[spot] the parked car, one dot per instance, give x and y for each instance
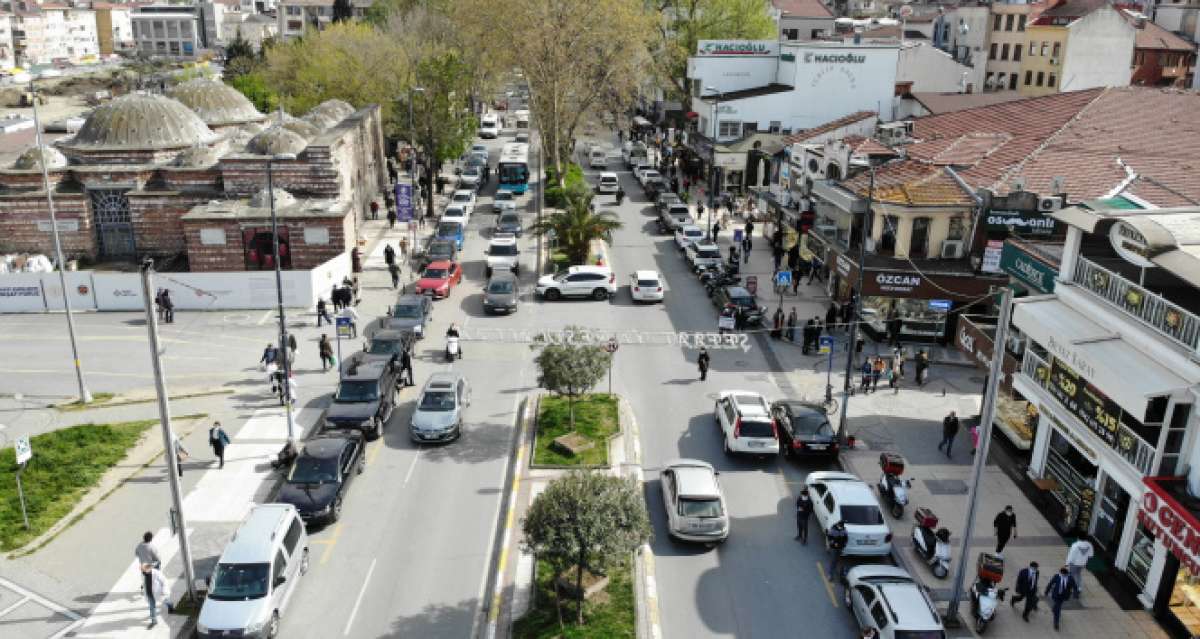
(674, 217)
(692, 498)
(687, 235)
(703, 254)
(452, 231)
(489, 126)
(504, 201)
(465, 198)
(648, 174)
(608, 183)
(508, 223)
(521, 136)
(739, 297)
(597, 282)
(645, 286)
(839, 496)
(321, 474)
(438, 278)
(365, 397)
(256, 575)
(598, 158)
(652, 186)
(502, 254)
(456, 213)
(440, 408)
(889, 600)
(746, 424)
(804, 429)
(387, 346)
(665, 200)
(634, 153)
(446, 249)
(409, 313)
(471, 178)
(502, 294)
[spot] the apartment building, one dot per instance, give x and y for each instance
(114, 27)
(8, 56)
(801, 19)
(168, 30)
(297, 15)
(1075, 45)
(53, 33)
(1007, 23)
(1160, 58)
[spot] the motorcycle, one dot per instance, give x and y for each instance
(985, 597)
(620, 197)
(452, 350)
(932, 544)
(712, 284)
(892, 488)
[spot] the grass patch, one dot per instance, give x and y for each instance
(607, 615)
(65, 465)
(595, 419)
(97, 399)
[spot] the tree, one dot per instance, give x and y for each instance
(572, 367)
(342, 10)
(686, 22)
(239, 56)
(577, 225)
(253, 85)
(586, 520)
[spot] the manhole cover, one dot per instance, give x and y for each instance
(946, 486)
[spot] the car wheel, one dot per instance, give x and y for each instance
(377, 431)
(336, 513)
(553, 294)
(600, 294)
(980, 626)
(273, 625)
(304, 562)
(897, 511)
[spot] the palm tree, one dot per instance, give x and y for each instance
(577, 225)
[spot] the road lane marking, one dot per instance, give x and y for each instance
(412, 466)
(373, 454)
(266, 316)
(358, 601)
(828, 584)
(328, 543)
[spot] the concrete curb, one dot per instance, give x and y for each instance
(495, 594)
(649, 616)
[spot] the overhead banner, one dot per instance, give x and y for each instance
(404, 202)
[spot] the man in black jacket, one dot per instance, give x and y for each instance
(1027, 589)
(949, 430)
(804, 508)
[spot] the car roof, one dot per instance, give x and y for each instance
(440, 264)
(410, 298)
(465, 191)
(749, 403)
(737, 291)
(588, 268)
(504, 241)
(457, 223)
(608, 174)
(646, 275)
(503, 275)
(441, 378)
(454, 206)
(694, 478)
(324, 447)
(853, 494)
(390, 335)
(263, 523)
(357, 369)
(705, 246)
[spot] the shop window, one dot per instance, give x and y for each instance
(1184, 598)
(1074, 493)
(1140, 557)
(918, 245)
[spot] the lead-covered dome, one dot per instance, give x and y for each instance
(140, 122)
(217, 103)
(33, 157)
(276, 140)
(328, 114)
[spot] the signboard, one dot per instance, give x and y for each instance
(735, 161)
(1024, 222)
(991, 256)
(63, 226)
(825, 345)
(913, 285)
(753, 48)
(404, 202)
(1027, 269)
(979, 346)
(940, 305)
(1093, 408)
(752, 284)
(783, 278)
(343, 327)
(1130, 244)
(24, 450)
(1175, 527)
(738, 236)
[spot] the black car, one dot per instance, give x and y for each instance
(387, 346)
(804, 429)
(321, 473)
(365, 396)
(509, 222)
(409, 313)
(438, 250)
(740, 297)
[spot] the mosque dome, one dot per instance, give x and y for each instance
(217, 103)
(140, 122)
(276, 140)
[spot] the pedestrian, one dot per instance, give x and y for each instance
(1005, 524)
(1026, 589)
(813, 269)
(168, 307)
(894, 375)
(866, 374)
(899, 355)
(325, 350)
(974, 437)
(808, 337)
(323, 312)
(1077, 559)
(1059, 590)
(406, 368)
(817, 328)
(269, 357)
(218, 439)
(777, 324)
(291, 342)
(831, 316)
(158, 307)
(391, 218)
(746, 246)
(702, 361)
(181, 453)
(949, 430)
(394, 271)
(791, 326)
(148, 590)
(348, 312)
(876, 373)
(847, 310)
(796, 275)
(922, 366)
(374, 206)
(777, 255)
(716, 231)
(145, 552)
(389, 254)
(804, 508)
(836, 538)
(749, 233)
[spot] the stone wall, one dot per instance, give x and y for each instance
(20, 215)
(231, 256)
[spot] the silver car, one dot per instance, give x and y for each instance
(693, 501)
(438, 416)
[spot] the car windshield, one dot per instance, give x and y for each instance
(310, 470)
(471, 170)
(437, 401)
(756, 429)
(462, 197)
(700, 507)
(386, 347)
(357, 392)
(448, 228)
(239, 582)
(434, 274)
(693, 232)
(648, 283)
(407, 311)
(862, 515)
(501, 286)
(708, 253)
(509, 219)
(503, 249)
(453, 212)
(503, 196)
(811, 423)
(744, 302)
(919, 634)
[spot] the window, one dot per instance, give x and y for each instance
(866, 592)
(1020, 23)
(1041, 76)
(1012, 81)
(749, 127)
(989, 80)
(295, 25)
(1004, 51)
(1000, 80)
(1028, 78)
(316, 235)
(997, 20)
(1051, 80)
(879, 615)
(1045, 48)
(293, 10)
(992, 52)
(774, 126)
(212, 237)
(728, 128)
(828, 501)
(1008, 22)
(1017, 53)
(791, 34)
(172, 29)
(292, 536)
(1032, 48)
(174, 48)
(1057, 49)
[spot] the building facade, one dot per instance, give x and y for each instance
(1006, 43)
(295, 16)
(1160, 58)
(8, 53)
(114, 28)
(1076, 45)
(168, 30)
(801, 19)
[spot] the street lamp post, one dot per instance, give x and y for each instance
(856, 316)
(283, 334)
(712, 169)
(85, 396)
(412, 179)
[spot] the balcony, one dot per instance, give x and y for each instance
(1133, 449)
(1168, 318)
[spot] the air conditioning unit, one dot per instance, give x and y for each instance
(827, 231)
(1051, 203)
(952, 249)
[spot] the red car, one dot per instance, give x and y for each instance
(439, 277)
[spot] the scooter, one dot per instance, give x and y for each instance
(452, 350)
(892, 488)
(620, 197)
(984, 599)
(932, 546)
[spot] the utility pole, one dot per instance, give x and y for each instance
(712, 170)
(283, 334)
(856, 316)
(164, 414)
(85, 397)
(412, 181)
(996, 372)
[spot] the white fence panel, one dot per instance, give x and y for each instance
(118, 291)
(79, 286)
(21, 293)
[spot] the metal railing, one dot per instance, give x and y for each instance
(1130, 446)
(1166, 317)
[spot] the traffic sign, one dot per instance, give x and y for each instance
(825, 344)
(752, 284)
(783, 278)
(343, 326)
(24, 450)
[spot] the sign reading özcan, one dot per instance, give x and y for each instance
(1173, 527)
(834, 58)
(897, 282)
(738, 47)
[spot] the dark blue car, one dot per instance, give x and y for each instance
(452, 231)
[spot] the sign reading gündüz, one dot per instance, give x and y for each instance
(834, 58)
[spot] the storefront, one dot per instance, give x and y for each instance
(1031, 265)
(1166, 554)
(1016, 417)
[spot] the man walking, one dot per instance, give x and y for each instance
(949, 430)
(406, 368)
(804, 508)
(218, 439)
(148, 560)
(389, 254)
(291, 341)
(702, 361)
(1059, 590)
(1006, 527)
(270, 356)
(323, 312)
(831, 316)
(181, 452)
(1077, 558)
(351, 314)
(391, 217)
(325, 350)
(168, 307)
(1027, 589)
(922, 366)
(394, 271)
(837, 539)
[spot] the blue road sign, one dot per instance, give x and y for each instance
(825, 344)
(784, 278)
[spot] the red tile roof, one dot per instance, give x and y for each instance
(1152, 36)
(808, 134)
(802, 8)
(863, 146)
(908, 183)
(1069, 9)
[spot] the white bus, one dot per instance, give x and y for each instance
(514, 168)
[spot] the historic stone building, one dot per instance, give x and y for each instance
(184, 176)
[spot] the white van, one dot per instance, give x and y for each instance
(489, 126)
(256, 575)
(522, 118)
(608, 183)
(598, 158)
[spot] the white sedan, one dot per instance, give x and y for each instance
(844, 497)
(688, 235)
(464, 198)
(646, 286)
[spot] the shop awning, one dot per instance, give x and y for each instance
(1096, 353)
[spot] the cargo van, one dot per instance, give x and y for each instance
(598, 159)
(489, 126)
(635, 154)
(257, 574)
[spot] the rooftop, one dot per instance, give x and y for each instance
(907, 183)
(829, 127)
(802, 8)
(139, 121)
(938, 103)
(749, 93)
(1152, 36)
(1068, 11)
(215, 102)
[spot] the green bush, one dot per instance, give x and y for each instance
(556, 196)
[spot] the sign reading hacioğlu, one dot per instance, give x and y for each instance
(738, 47)
(834, 58)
